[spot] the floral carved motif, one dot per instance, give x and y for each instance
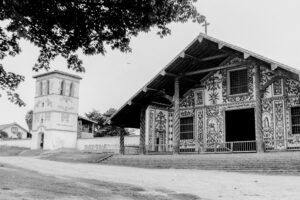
(279, 124)
(200, 126)
(277, 87)
(188, 100)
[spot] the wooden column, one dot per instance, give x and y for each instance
(258, 113)
(122, 146)
(142, 130)
(176, 123)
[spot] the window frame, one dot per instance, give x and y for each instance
(291, 117)
(229, 81)
(187, 132)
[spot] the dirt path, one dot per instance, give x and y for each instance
(205, 184)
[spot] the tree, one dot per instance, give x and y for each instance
(28, 119)
(61, 27)
(105, 129)
(3, 134)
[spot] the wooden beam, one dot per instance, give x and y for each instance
(163, 73)
(269, 82)
(274, 66)
(215, 69)
(246, 55)
(207, 58)
(182, 55)
(200, 39)
(220, 45)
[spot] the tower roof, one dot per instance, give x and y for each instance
(57, 72)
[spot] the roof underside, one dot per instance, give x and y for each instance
(204, 53)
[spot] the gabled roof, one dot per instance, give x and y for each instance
(57, 72)
(4, 126)
(87, 119)
(202, 55)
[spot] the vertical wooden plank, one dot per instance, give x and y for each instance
(258, 112)
(176, 139)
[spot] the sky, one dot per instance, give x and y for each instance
(267, 27)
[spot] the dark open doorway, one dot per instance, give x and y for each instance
(240, 125)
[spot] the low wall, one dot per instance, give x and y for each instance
(26, 143)
(106, 144)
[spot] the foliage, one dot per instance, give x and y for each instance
(61, 27)
(28, 119)
(3, 134)
(105, 129)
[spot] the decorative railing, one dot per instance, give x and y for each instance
(282, 144)
(228, 147)
(159, 148)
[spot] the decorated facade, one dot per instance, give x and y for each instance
(215, 95)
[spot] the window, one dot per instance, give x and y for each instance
(186, 128)
(71, 94)
(295, 113)
(238, 81)
(62, 87)
(48, 87)
(41, 88)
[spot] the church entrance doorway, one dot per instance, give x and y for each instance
(41, 140)
(240, 128)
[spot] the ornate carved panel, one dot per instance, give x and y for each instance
(292, 87)
(214, 125)
(279, 124)
(199, 98)
(213, 88)
(200, 126)
(151, 127)
(188, 100)
(187, 113)
(277, 87)
(161, 120)
(268, 123)
(170, 129)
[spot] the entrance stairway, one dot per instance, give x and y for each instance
(279, 162)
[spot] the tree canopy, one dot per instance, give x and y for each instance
(61, 27)
(103, 129)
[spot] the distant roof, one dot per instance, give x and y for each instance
(87, 119)
(57, 72)
(4, 126)
(202, 55)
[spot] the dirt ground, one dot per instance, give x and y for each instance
(88, 181)
(21, 184)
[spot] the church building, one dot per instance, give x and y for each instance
(216, 97)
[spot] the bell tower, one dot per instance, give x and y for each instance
(55, 114)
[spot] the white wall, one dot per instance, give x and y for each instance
(106, 144)
(16, 143)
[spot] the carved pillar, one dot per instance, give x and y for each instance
(285, 99)
(176, 124)
(122, 146)
(258, 113)
(142, 130)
